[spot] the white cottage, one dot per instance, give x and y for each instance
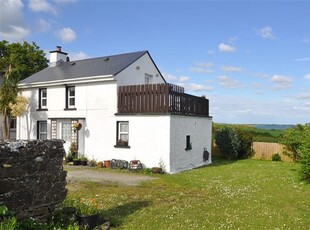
(126, 109)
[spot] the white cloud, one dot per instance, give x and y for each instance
(231, 69)
(205, 64)
(303, 59)
(184, 78)
(197, 87)
(307, 76)
(261, 75)
(303, 96)
(78, 56)
(228, 82)
(65, 1)
(210, 52)
(12, 27)
(265, 32)
(43, 25)
(307, 104)
(281, 82)
(170, 77)
(41, 6)
(200, 70)
(66, 34)
(226, 48)
(202, 67)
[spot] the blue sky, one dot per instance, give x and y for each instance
(250, 58)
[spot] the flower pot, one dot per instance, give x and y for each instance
(90, 221)
(107, 164)
(157, 170)
(100, 164)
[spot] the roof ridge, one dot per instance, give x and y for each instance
(108, 56)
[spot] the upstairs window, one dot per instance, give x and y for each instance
(148, 79)
(70, 97)
(43, 98)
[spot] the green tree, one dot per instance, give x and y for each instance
(292, 140)
(17, 62)
(305, 154)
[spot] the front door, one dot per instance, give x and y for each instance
(65, 132)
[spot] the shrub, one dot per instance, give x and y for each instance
(228, 142)
(305, 154)
(234, 143)
(246, 142)
(276, 157)
(292, 139)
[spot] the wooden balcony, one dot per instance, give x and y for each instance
(160, 98)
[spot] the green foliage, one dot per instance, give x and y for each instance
(292, 139)
(297, 145)
(234, 143)
(17, 61)
(259, 135)
(228, 142)
(305, 153)
(276, 157)
(73, 150)
(8, 223)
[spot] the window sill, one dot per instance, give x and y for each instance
(66, 109)
(122, 146)
(42, 109)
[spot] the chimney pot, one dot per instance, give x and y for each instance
(58, 48)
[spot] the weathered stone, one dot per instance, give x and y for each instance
(34, 185)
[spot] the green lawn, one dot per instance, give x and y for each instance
(246, 194)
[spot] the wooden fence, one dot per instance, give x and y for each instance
(263, 151)
(160, 98)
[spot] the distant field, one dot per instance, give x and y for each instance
(260, 135)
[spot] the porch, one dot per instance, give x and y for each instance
(160, 98)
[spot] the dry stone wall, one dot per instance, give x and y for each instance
(32, 180)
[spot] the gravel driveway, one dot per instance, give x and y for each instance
(98, 176)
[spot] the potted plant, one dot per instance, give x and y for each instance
(88, 212)
(77, 126)
(92, 163)
(69, 157)
(100, 164)
(76, 161)
(84, 160)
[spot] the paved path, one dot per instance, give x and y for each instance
(97, 176)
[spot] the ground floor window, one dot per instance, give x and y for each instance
(188, 142)
(42, 130)
(122, 133)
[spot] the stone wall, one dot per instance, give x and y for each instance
(32, 180)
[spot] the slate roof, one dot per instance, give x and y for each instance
(108, 65)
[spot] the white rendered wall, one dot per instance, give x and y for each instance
(136, 76)
(149, 140)
(199, 129)
(93, 102)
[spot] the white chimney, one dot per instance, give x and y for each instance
(57, 56)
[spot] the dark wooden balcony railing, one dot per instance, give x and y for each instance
(160, 98)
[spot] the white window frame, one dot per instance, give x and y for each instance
(40, 133)
(147, 78)
(66, 135)
(43, 98)
(70, 89)
(120, 133)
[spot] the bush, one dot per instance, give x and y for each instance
(228, 142)
(234, 143)
(276, 157)
(305, 154)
